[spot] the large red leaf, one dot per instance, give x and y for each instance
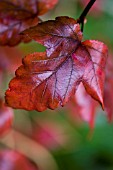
(6, 118)
(12, 160)
(16, 16)
(45, 81)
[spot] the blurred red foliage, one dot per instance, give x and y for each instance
(12, 160)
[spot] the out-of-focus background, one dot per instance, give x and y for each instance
(60, 139)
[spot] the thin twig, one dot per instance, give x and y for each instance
(84, 13)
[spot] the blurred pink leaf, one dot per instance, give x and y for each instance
(16, 16)
(108, 89)
(12, 160)
(49, 134)
(6, 118)
(86, 105)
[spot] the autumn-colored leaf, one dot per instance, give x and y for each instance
(6, 118)
(12, 160)
(13, 20)
(48, 80)
(60, 37)
(94, 75)
(16, 16)
(86, 106)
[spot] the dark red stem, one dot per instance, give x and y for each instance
(85, 12)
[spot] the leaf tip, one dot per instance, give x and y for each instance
(102, 105)
(100, 100)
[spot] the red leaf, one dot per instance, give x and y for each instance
(94, 75)
(12, 160)
(6, 118)
(45, 81)
(16, 16)
(85, 106)
(60, 37)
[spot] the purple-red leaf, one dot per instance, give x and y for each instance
(16, 16)
(60, 37)
(94, 75)
(48, 80)
(86, 106)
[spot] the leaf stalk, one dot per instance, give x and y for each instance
(84, 13)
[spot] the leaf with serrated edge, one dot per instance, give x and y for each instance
(48, 81)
